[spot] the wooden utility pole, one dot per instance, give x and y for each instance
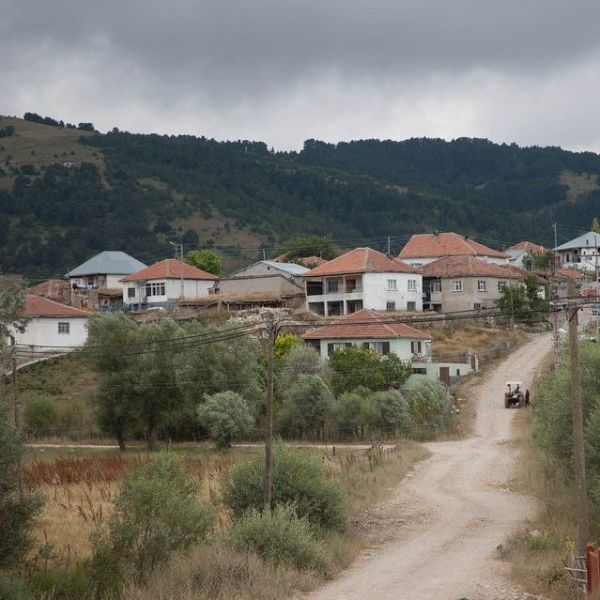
(577, 412)
(555, 315)
(268, 483)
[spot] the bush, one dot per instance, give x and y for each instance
(388, 412)
(302, 360)
(156, 513)
(66, 585)
(12, 588)
(226, 416)
(430, 406)
(298, 479)
(307, 406)
(41, 416)
(351, 413)
(279, 536)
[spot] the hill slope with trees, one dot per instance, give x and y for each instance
(138, 192)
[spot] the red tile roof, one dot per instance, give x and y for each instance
(431, 245)
(529, 247)
(469, 266)
(362, 260)
(365, 324)
(306, 261)
(169, 269)
(42, 307)
(569, 273)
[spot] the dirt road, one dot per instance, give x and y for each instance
(447, 519)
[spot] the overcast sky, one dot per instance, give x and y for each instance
(283, 71)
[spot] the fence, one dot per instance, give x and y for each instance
(585, 573)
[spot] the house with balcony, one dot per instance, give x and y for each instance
(363, 278)
(385, 334)
(580, 253)
(423, 248)
(466, 283)
(105, 270)
(164, 284)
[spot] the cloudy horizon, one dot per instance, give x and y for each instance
(520, 71)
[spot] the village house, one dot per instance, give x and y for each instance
(424, 248)
(164, 284)
(105, 270)
(383, 334)
(363, 278)
(52, 325)
(465, 283)
(521, 255)
(581, 253)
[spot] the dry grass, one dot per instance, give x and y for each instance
(578, 184)
(538, 551)
(42, 145)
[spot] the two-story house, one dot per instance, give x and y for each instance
(424, 248)
(105, 270)
(164, 283)
(465, 283)
(363, 278)
(580, 253)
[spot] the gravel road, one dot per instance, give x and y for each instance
(445, 520)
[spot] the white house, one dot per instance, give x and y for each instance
(105, 270)
(519, 255)
(581, 253)
(164, 283)
(424, 248)
(384, 335)
(52, 325)
(363, 278)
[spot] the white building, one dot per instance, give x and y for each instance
(363, 278)
(52, 325)
(164, 283)
(581, 253)
(104, 271)
(424, 248)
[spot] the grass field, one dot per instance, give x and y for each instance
(42, 145)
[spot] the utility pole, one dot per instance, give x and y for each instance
(179, 247)
(577, 412)
(16, 408)
(268, 483)
(555, 315)
(389, 246)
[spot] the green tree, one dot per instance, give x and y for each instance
(156, 513)
(226, 416)
(114, 343)
(513, 301)
(12, 311)
(207, 260)
(351, 412)
(430, 405)
(357, 366)
(307, 406)
(17, 510)
(284, 344)
(595, 225)
(388, 412)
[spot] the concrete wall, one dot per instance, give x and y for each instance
(433, 372)
(270, 283)
(420, 261)
(465, 300)
(400, 347)
(44, 332)
(192, 288)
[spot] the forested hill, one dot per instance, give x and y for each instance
(66, 194)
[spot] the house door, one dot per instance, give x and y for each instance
(445, 375)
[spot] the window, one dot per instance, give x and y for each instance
(411, 305)
(390, 306)
(419, 371)
(477, 306)
(501, 285)
(376, 347)
(392, 285)
(412, 285)
(155, 289)
(333, 286)
(64, 327)
(482, 285)
(131, 292)
(436, 286)
(457, 285)
(416, 347)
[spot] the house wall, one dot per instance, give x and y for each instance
(99, 280)
(433, 372)
(420, 261)
(466, 300)
(374, 293)
(44, 332)
(400, 347)
(271, 283)
(192, 288)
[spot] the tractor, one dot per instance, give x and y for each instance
(515, 395)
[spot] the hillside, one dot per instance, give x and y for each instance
(66, 194)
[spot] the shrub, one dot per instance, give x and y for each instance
(41, 416)
(12, 588)
(66, 585)
(298, 479)
(156, 512)
(388, 412)
(307, 405)
(302, 360)
(226, 416)
(350, 412)
(279, 536)
(430, 405)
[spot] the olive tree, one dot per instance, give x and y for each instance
(226, 416)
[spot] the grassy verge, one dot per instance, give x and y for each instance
(537, 551)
